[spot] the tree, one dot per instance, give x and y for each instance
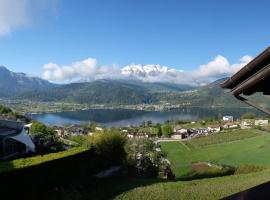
(248, 115)
(159, 130)
(166, 130)
(41, 129)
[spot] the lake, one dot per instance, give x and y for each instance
(124, 117)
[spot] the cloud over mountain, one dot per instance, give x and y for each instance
(89, 69)
(85, 70)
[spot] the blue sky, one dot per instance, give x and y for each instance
(175, 33)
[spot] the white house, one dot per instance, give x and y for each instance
(246, 123)
(261, 122)
(227, 118)
(229, 125)
(214, 128)
(14, 139)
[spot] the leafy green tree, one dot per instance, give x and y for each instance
(248, 115)
(41, 129)
(159, 130)
(141, 154)
(166, 130)
(153, 131)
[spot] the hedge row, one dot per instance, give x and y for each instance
(32, 178)
(35, 160)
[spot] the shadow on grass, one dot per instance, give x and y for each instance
(208, 174)
(94, 188)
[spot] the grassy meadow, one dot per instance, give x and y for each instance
(238, 148)
(235, 148)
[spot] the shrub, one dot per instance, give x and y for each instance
(109, 146)
(36, 160)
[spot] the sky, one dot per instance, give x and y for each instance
(177, 41)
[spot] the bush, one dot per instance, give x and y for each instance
(110, 147)
(36, 160)
(40, 175)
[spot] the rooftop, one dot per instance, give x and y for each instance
(252, 78)
(9, 127)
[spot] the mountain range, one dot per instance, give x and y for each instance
(12, 84)
(117, 92)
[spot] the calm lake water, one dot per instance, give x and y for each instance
(123, 117)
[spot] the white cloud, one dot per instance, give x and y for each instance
(89, 69)
(217, 68)
(85, 70)
(19, 13)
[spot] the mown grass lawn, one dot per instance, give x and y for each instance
(237, 150)
(212, 188)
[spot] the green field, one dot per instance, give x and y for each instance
(235, 148)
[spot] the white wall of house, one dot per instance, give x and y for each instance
(177, 136)
(261, 122)
(213, 129)
(246, 124)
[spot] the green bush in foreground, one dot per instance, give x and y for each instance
(35, 160)
(109, 146)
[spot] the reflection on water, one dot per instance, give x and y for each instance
(123, 117)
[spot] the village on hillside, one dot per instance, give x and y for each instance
(168, 130)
